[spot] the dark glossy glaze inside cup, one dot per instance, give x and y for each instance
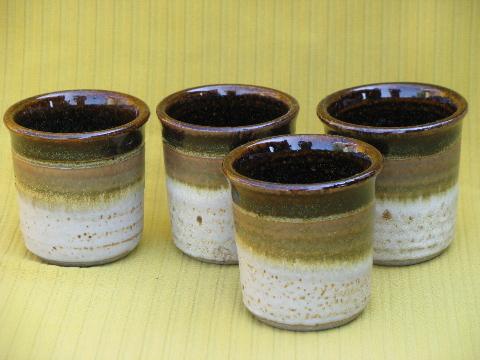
(392, 109)
(229, 109)
(77, 114)
(280, 163)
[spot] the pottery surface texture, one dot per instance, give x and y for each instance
(304, 237)
(417, 127)
(78, 158)
(200, 126)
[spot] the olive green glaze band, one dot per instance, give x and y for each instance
(100, 177)
(210, 143)
(409, 178)
(401, 146)
(78, 200)
(77, 150)
(305, 205)
(346, 237)
(194, 169)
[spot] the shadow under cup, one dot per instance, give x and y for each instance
(200, 126)
(78, 158)
(417, 127)
(303, 207)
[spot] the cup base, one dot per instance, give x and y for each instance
(304, 328)
(85, 264)
(210, 261)
(407, 262)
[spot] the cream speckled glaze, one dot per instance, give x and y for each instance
(299, 296)
(202, 221)
(408, 232)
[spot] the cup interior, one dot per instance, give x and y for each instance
(73, 112)
(300, 162)
(225, 108)
(392, 106)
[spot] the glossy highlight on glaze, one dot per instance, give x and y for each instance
(305, 248)
(78, 158)
(417, 127)
(200, 126)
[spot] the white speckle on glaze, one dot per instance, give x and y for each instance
(408, 231)
(303, 295)
(91, 235)
(202, 222)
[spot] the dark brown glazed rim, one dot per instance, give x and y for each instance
(337, 124)
(325, 141)
(219, 131)
(142, 114)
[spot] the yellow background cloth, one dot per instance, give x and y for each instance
(158, 303)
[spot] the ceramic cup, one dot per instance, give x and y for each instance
(303, 207)
(200, 126)
(78, 158)
(417, 127)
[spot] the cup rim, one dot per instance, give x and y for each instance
(337, 124)
(375, 157)
(140, 119)
(203, 130)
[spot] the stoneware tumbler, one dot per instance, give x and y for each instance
(78, 158)
(417, 127)
(200, 126)
(303, 208)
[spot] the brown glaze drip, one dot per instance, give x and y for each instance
(302, 166)
(213, 109)
(64, 117)
(394, 113)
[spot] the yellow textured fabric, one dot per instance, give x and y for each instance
(158, 303)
